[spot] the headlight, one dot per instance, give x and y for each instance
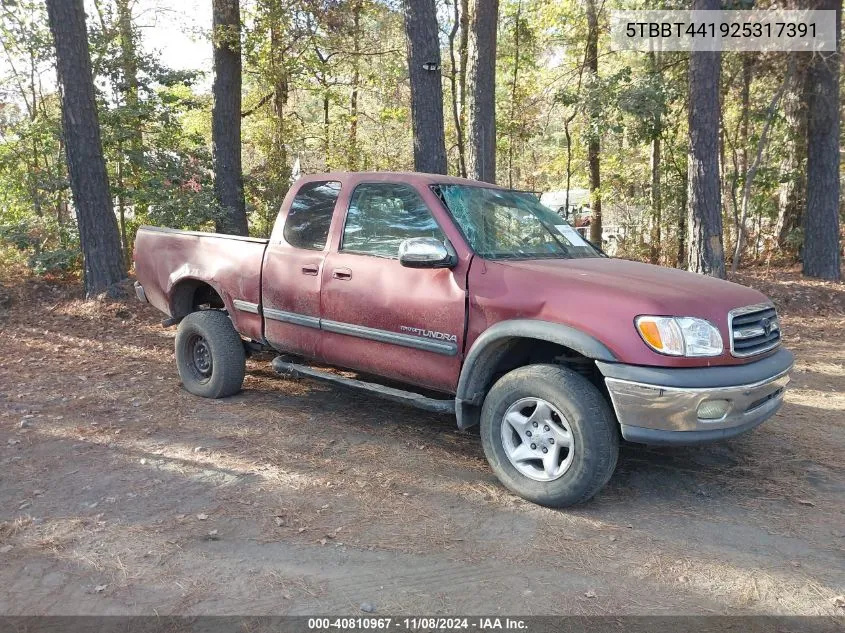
(680, 336)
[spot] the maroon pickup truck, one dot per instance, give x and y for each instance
(437, 285)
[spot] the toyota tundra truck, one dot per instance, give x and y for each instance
(474, 300)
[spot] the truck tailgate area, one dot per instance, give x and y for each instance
(176, 268)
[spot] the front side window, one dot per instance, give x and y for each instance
(382, 215)
(506, 224)
(310, 215)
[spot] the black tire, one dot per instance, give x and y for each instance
(591, 423)
(210, 355)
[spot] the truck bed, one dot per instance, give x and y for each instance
(171, 264)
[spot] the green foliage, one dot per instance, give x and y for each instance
(59, 261)
(326, 88)
(45, 247)
(159, 167)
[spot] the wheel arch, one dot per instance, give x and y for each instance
(188, 293)
(486, 358)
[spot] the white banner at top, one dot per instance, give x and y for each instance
(749, 30)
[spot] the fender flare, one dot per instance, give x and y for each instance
(494, 343)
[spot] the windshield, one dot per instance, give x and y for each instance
(505, 224)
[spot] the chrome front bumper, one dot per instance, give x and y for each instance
(660, 414)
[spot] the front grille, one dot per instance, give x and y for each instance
(754, 329)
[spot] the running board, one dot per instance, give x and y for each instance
(389, 393)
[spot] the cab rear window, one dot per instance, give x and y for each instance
(310, 215)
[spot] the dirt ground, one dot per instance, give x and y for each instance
(120, 493)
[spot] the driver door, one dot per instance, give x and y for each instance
(380, 317)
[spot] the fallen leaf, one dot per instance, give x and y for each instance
(202, 517)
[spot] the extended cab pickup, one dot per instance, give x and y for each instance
(439, 285)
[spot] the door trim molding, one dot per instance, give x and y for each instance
(350, 329)
(292, 317)
(386, 336)
(245, 306)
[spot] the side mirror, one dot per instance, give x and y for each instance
(426, 252)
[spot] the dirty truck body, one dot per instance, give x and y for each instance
(448, 286)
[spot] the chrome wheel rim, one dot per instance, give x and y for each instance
(537, 439)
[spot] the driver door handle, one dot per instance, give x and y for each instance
(342, 274)
(310, 269)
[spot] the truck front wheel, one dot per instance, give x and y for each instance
(549, 435)
(210, 355)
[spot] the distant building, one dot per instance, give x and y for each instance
(619, 221)
(556, 201)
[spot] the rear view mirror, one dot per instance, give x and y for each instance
(426, 252)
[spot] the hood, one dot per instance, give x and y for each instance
(654, 289)
(602, 296)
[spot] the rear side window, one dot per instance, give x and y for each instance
(382, 215)
(310, 215)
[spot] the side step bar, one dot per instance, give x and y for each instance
(389, 393)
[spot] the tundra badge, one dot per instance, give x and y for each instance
(440, 336)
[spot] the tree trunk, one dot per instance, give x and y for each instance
(121, 209)
(279, 169)
(426, 86)
(352, 161)
(103, 264)
(463, 63)
(463, 55)
(683, 238)
(656, 202)
(454, 81)
(514, 79)
(751, 172)
(793, 189)
(327, 127)
(481, 92)
(129, 68)
(821, 220)
(593, 143)
(566, 122)
(705, 253)
(740, 166)
(656, 166)
(226, 118)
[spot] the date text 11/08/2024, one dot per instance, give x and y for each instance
(417, 624)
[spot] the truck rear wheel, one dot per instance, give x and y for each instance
(210, 355)
(549, 435)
